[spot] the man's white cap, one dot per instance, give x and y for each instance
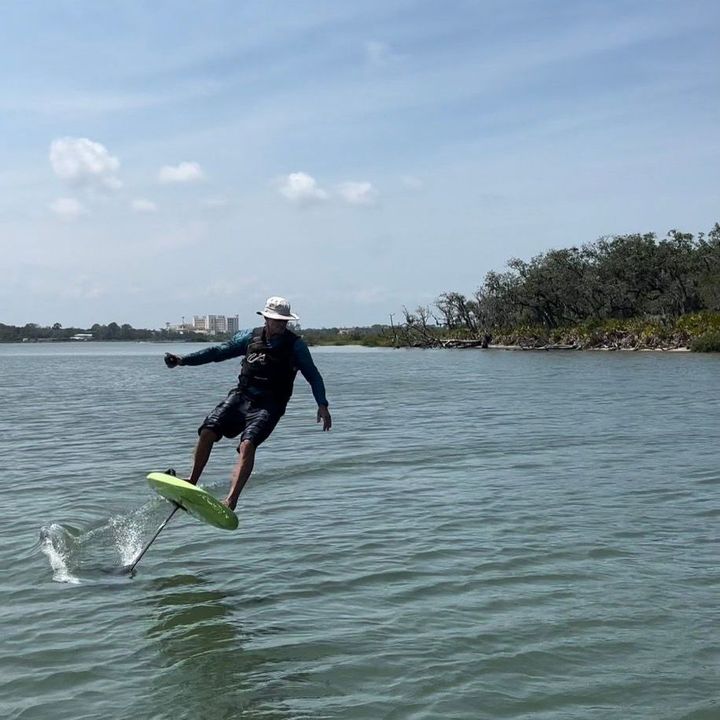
(277, 308)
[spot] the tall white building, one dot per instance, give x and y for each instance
(214, 324)
(200, 322)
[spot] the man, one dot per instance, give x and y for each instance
(272, 356)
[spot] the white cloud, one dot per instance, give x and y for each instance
(142, 205)
(358, 193)
(83, 162)
(68, 208)
(185, 172)
(301, 188)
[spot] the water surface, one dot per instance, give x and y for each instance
(483, 534)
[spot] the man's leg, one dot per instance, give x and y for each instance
(259, 423)
(225, 420)
(203, 449)
(241, 472)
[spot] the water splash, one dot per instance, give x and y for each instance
(75, 554)
(55, 544)
(127, 535)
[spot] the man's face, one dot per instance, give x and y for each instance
(275, 327)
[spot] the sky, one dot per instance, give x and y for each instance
(169, 159)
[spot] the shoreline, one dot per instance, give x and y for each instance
(575, 348)
(444, 345)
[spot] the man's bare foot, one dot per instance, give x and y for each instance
(230, 502)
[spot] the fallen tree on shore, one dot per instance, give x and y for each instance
(699, 332)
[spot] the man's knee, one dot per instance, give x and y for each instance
(209, 435)
(246, 448)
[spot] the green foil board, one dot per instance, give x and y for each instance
(198, 502)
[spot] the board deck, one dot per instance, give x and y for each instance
(197, 501)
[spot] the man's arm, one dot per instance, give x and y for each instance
(217, 353)
(305, 364)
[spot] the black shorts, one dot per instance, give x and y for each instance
(237, 414)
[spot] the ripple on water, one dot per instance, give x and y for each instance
(521, 537)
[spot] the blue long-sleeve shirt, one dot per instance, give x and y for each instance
(237, 346)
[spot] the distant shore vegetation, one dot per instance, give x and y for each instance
(622, 292)
(373, 336)
(625, 292)
(57, 333)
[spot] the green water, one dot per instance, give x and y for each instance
(483, 534)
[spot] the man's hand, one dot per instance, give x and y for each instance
(324, 414)
(172, 360)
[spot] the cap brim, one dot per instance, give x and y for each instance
(277, 316)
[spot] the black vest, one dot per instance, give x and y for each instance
(267, 371)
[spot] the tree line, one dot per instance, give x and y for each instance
(32, 332)
(375, 335)
(615, 279)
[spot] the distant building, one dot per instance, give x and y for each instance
(200, 323)
(215, 324)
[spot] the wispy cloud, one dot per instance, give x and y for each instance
(358, 193)
(218, 201)
(303, 189)
(185, 172)
(142, 205)
(68, 209)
